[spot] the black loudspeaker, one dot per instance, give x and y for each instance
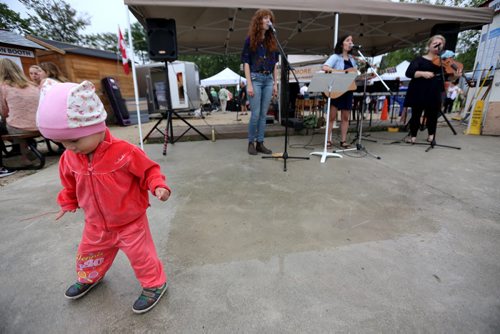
(449, 31)
(116, 100)
(162, 39)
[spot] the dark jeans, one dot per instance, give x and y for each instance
(448, 105)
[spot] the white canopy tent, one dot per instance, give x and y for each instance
(226, 77)
(305, 27)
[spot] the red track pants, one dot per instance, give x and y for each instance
(98, 249)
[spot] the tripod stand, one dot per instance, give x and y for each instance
(286, 68)
(359, 145)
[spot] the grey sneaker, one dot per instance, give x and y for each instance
(149, 298)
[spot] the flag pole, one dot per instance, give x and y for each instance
(134, 78)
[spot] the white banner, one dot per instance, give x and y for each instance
(17, 52)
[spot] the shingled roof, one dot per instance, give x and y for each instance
(12, 38)
(71, 48)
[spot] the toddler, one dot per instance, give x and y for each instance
(109, 179)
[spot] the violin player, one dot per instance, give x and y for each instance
(426, 88)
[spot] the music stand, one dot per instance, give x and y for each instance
(328, 83)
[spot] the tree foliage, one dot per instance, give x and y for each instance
(56, 20)
(10, 20)
(467, 43)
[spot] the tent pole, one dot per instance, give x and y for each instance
(134, 78)
(336, 33)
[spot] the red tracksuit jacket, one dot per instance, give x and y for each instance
(112, 189)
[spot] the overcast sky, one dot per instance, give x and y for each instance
(104, 15)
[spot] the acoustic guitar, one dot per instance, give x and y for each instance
(352, 87)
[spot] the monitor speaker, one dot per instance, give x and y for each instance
(449, 31)
(162, 39)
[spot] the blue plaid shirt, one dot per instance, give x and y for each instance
(260, 59)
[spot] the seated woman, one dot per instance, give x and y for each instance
(35, 74)
(18, 102)
(50, 70)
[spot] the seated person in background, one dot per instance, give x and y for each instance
(3, 171)
(35, 74)
(50, 70)
(18, 103)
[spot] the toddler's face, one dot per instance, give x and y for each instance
(84, 145)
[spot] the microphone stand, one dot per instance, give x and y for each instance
(287, 67)
(359, 146)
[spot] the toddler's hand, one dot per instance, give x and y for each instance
(62, 212)
(162, 194)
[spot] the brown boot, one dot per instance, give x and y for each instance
(261, 148)
(251, 149)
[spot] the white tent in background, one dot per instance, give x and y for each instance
(226, 77)
(399, 73)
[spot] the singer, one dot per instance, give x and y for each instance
(259, 56)
(425, 89)
(341, 61)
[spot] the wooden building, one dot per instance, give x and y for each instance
(19, 49)
(77, 63)
(80, 63)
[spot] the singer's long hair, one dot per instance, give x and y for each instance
(339, 47)
(255, 31)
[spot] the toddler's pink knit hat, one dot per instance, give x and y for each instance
(69, 110)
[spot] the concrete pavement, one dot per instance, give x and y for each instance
(405, 244)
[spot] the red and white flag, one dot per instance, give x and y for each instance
(121, 44)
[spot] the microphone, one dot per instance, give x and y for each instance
(356, 46)
(270, 25)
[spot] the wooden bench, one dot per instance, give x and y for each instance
(30, 139)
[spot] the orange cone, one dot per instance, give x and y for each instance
(385, 111)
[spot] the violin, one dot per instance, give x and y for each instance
(451, 67)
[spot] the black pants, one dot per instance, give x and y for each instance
(431, 115)
(448, 105)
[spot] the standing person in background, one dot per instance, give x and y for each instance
(451, 95)
(425, 89)
(18, 104)
(243, 98)
(35, 71)
(259, 56)
(51, 70)
(215, 98)
(223, 97)
(341, 61)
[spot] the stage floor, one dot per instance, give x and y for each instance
(407, 243)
